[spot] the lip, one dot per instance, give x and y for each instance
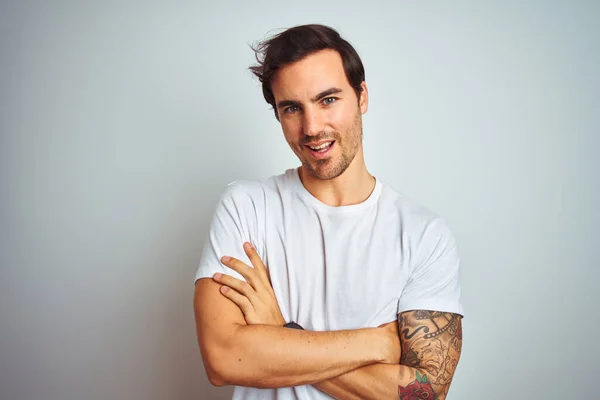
(318, 155)
(319, 143)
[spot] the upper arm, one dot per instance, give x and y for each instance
(235, 221)
(216, 321)
(430, 309)
(217, 318)
(434, 281)
(431, 342)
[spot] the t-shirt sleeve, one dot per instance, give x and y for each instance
(233, 223)
(434, 281)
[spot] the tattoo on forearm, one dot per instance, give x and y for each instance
(417, 390)
(431, 342)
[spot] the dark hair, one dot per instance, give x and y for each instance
(296, 43)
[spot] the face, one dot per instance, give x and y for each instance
(320, 115)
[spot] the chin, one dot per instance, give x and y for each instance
(326, 171)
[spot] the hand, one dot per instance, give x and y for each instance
(391, 342)
(255, 297)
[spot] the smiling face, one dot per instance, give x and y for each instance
(320, 115)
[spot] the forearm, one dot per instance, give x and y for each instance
(266, 356)
(376, 382)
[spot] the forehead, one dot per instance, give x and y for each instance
(311, 75)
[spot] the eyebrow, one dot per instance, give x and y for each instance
(324, 93)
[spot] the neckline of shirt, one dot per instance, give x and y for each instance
(372, 199)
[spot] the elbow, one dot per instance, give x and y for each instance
(223, 369)
(225, 363)
(216, 357)
(216, 379)
(225, 372)
(216, 369)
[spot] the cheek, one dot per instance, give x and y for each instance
(342, 118)
(336, 117)
(291, 133)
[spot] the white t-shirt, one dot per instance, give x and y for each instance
(335, 268)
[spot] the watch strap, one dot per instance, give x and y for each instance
(293, 325)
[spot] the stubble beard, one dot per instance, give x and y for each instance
(331, 168)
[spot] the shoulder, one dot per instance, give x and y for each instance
(422, 226)
(411, 213)
(255, 191)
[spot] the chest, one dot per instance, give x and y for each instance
(336, 271)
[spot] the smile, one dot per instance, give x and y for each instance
(321, 150)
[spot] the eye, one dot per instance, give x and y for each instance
(291, 109)
(329, 100)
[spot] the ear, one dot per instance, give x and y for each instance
(363, 102)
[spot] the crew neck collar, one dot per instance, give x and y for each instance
(372, 199)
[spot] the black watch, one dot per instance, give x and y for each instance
(293, 325)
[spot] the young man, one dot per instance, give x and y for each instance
(323, 281)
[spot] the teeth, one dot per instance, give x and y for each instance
(321, 146)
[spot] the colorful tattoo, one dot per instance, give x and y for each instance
(417, 390)
(431, 342)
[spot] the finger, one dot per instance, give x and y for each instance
(258, 264)
(239, 300)
(243, 269)
(238, 285)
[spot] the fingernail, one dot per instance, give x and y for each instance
(217, 275)
(248, 246)
(226, 258)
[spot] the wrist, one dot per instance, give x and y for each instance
(293, 325)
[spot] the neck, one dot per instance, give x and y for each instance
(353, 186)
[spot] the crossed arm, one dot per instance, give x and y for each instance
(242, 343)
(431, 346)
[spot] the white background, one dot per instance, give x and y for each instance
(122, 123)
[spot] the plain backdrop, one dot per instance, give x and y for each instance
(122, 123)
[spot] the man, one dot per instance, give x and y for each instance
(343, 288)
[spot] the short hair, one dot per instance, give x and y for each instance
(296, 43)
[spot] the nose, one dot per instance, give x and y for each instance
(313, 122)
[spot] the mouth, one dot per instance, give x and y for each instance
(320, 150)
